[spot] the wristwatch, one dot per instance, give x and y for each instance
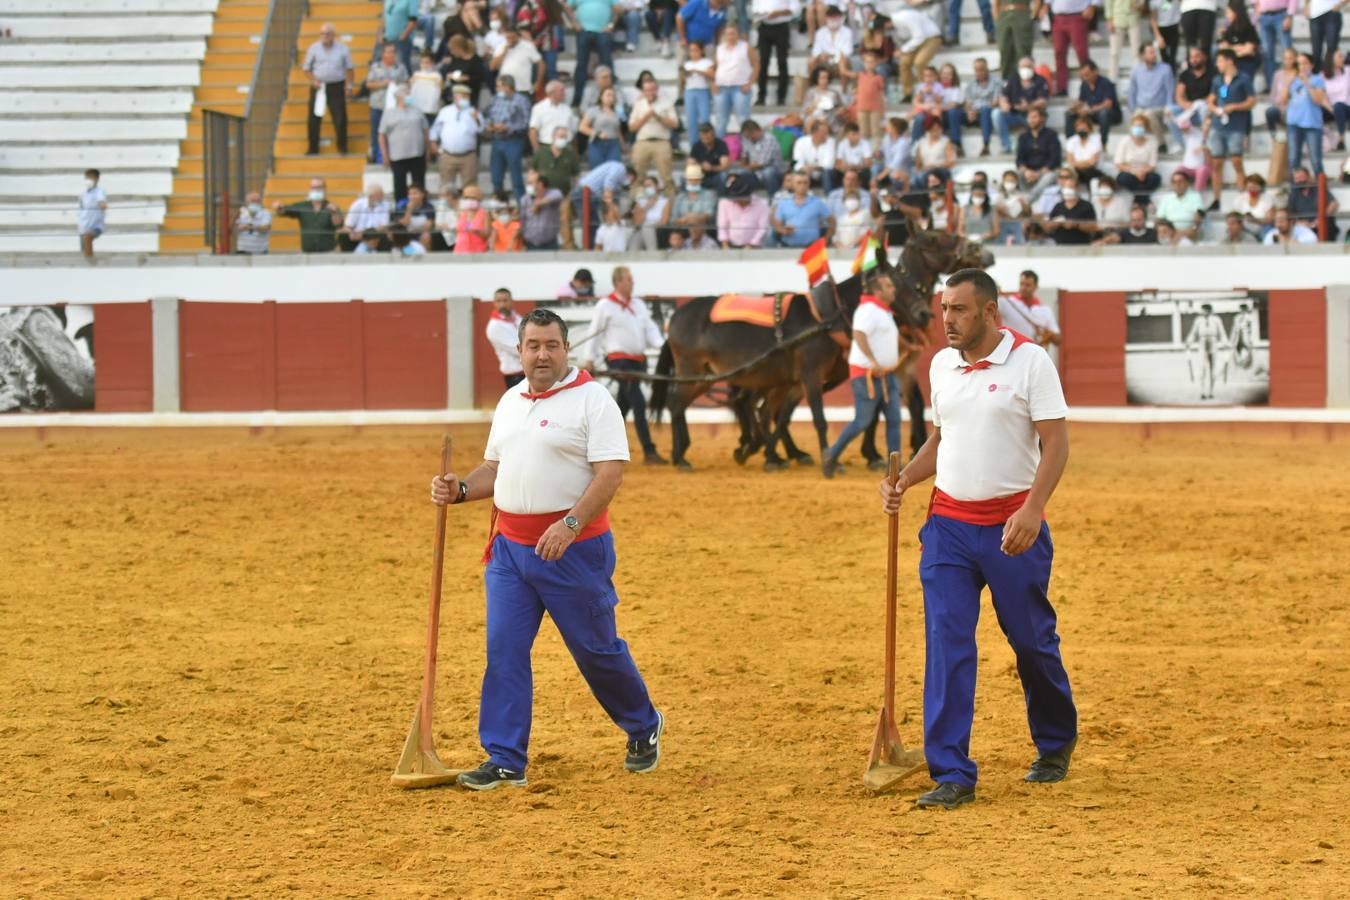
(571, 522)
(463, 493)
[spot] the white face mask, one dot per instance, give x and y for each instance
(851, 204)
(503, 217)
(693, 187)
(468, 203)
(494, 25)
(316, 196)
(462, 102)
(1026, 74)
(255, 208)
(649, 191)
(1010, 185)
(89, 184)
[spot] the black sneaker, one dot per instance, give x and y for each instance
(830, 468)
(645, 753)
(947, 796)
(1050, 768)
(489, 777)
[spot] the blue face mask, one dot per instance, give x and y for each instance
(1137, 130)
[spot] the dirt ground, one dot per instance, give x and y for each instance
(212, 643)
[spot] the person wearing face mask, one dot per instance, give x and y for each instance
(505, 237)
(695, 205)
(1083, 151)
(383, 72)
(979, 219)
(1255, 206)
(833, 44)
(370, 212)
(1152, 89)
(1113, 206)
(319, 219)
(1137, 161)
(1073, 221)
(253, 228)
(93, 207)
(852, 186)
(651, 215)
(852, 221)
(1097, 100)
(454, 140)
(403, 143)
(473, 228)
(1022, 94)
(1012, 208)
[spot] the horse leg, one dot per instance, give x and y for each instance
(743, 405)
(777, 408)
(683, 397)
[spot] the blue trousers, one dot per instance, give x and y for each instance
(506, 155)
(958, 560)
(729, 99)
(578, 594)
(954, 18)
(1299, 138)
(1274, 40)
(697, 110)
(599, 42)
(1005, 122)
(865, 407)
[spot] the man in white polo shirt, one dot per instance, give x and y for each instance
(503, 333)
(1024, 312)
(872, 361)
(998, 449)
(553, 462)
(622, 329)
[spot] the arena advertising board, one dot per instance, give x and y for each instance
(46, 358)
(1188, 348)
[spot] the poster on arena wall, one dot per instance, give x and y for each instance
(46, 358)
(1189, 348)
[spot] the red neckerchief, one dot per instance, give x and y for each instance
(1033, 301)
(1018, 340)
(871, 300)
(582, 377)
(513, 318)
(626, 304)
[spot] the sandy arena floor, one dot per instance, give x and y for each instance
(212, 643)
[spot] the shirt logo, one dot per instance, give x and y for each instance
(992, 388)
(543, 423)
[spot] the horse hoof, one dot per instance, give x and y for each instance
(877, 465)
(683, 466)
(775, 465)
(740, 454)
(805, 459)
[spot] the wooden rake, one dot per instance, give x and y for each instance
(419, 766)
(890, 763)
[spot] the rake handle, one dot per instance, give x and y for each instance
(434, 615)
(892, 577)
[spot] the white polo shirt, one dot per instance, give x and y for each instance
(504, 336)
(883, 337)
(1025, 317)
(544, 448)
(628, 331)
(989, 446)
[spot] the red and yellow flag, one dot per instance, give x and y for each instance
(817, 262)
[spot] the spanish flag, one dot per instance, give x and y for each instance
(867, 254)
(817, 262)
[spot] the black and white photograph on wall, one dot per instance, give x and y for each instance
(46, 358)
(1193, 348)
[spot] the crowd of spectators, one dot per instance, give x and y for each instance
(879, 131)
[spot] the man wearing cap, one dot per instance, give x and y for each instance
(503, 333)
(581, 287)
(454, 140)
(742, 216)
(554, 460)
(622, 329)
(998, 448)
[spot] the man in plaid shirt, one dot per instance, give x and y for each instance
(508, 121)
(761, 155)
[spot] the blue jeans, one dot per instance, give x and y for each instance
(375, 116)
(730, 99)
(1271, 28)
(697, 110)
(602, 43)
(885, 394)
(507, 153)
(743, 17)
(954, 18)
(1326, 35)
(1298, 139)
(661, 22)
(427, 24)
(404, 52)
(577, 592)
(601, 150)
(957, 561)
(956, 117)
(630, 398)
(632, 26)
(985, 116)
(1004, 122)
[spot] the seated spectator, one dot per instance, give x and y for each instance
(1083, 151)
(920, 40)
(1279, 91)
(711, 155)
(699, 239)
(981, 99)
(602, 185)
(1073, 221)
(833, 45)
(1182, 207)
(416, 216)
(505, 229)
(1013, 209)
(852, 222)
(549, 115)
(370, 241)
(676, 240)
(447, 221)
(1136, 231)
(870, 100)
(1113, 206)
(813, 154)
(580, 287)
(742, 216)
(823, 102)
(1020, 95)
(1231, 100)
(935, 154)
(1097, 100)
(851, 186)
(1169, 236)
(602, 78)
(953, 104)
(1254, 206)
(937, 205)
(425, 86)
(370, 212)
(651, 216)
(761, 156)
(92, 215)
(1303, 200)
(737, 70)
(695, 205)
(253, 228)
(979, 217)
(1287, 231)
(1152, 87)
(1038, 154)
(802, 218)
(1234, 233)
(454, 140)
(541, 214)
(1191, 94)
(1137, 161)
(695, 78)
(1036, 236)
(632, 24)
(612, 236)
(1337, 75)
(853, 154)
(897, 154)
(929, 101)
(404, 244)
(473, 229)
(461, 66)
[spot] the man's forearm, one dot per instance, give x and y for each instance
(603, 487)
(481, 481)
(1054, 457)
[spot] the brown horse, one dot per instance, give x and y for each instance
(696, 347)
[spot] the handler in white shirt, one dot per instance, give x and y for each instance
(1024, 312)
(622, 330)
(503, 333)
(872, 362)
(554, 461)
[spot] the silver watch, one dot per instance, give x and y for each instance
(571, 522)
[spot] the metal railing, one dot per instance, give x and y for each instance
(242, 152)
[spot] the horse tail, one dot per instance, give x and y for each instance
(665, 365)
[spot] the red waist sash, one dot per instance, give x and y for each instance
(528, 528)
(994, 511)
(631, 357)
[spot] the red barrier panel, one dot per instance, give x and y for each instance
(1092, 355)
(227, 356)
(405, 355)
(319, 356)
(124, 364)
(1298, 348)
